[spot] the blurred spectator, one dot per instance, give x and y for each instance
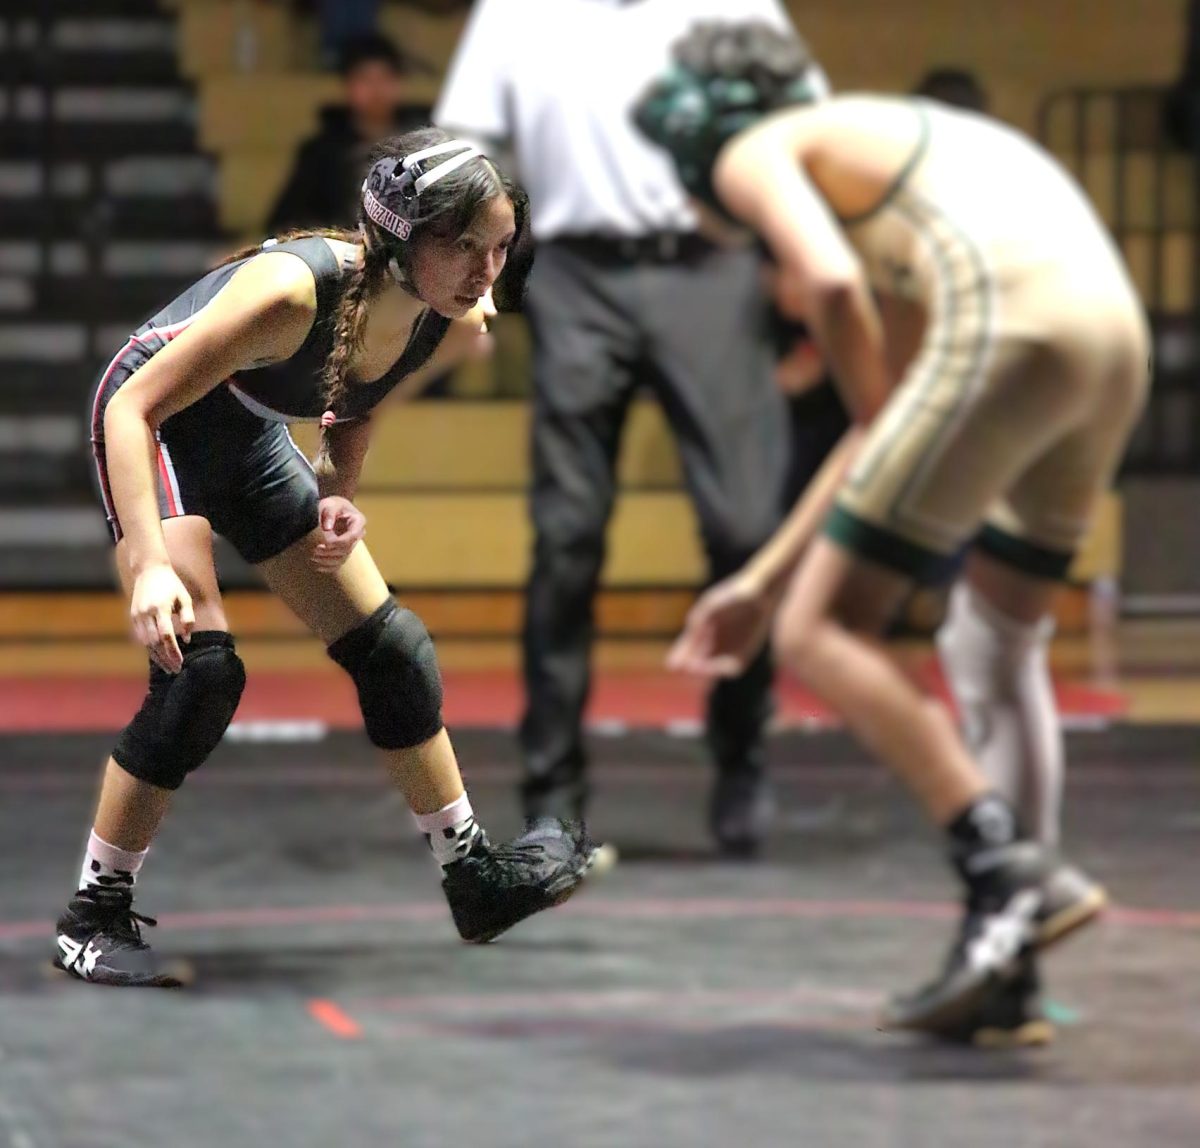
(625, 292)
(342, 22)
(323, 187)
(953, 86)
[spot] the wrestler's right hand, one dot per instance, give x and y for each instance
(724, 630)
(158, 598)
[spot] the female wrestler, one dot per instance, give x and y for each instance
(189, 429)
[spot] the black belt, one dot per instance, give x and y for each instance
(657, 247)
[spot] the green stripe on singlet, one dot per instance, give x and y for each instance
(923, 214)
(926, 219)
(893, 188)
(1023, 555)
(866, 540)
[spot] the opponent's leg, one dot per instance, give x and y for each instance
(389, 655)
(994, 645)
(994, 649)
(180, 722)
(824, 632)
(1017, 893)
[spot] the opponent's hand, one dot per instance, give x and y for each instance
(484, 343)
(342, 526)
(489, 310)
(158, 599)
(724, 630)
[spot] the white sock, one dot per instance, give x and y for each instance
(451, 831)
(998, 670)
(107, 866)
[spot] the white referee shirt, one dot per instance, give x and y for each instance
(558, 80)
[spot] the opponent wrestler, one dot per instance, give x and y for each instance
(992, 352)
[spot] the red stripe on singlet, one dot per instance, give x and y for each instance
(167, 333)
(165, 479)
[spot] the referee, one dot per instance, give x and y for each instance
(625, 293)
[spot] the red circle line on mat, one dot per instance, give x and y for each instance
(473, 699)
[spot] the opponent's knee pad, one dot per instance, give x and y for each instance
(998, 671)
(987, 655)
(184, 715)
(391, 658)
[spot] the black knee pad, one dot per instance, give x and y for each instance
(391, 658)
(184, 715)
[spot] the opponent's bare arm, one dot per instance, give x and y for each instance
(761, 179)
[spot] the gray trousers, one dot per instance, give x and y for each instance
(694, 331)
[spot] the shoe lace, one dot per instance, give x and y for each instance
(131, 927)
(511, 865)
(125, 924)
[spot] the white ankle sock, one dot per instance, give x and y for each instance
(451, 831)
(107, 866)
(998, 671)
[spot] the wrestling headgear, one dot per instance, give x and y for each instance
(725, 78)
(391, 193)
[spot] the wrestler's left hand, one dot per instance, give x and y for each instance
(342, 526)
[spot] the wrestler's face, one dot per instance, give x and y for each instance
(451, 274)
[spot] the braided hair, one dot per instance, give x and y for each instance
(420, 184)
(403, 203)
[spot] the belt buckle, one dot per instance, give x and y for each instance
(667, 246)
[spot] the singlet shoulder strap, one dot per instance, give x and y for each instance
(910, 165)
(426, 339)
(326, 267)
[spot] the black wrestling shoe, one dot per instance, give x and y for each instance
(1021, 897)
(741, 808)
(495, 886)
(100, 940)
(602, 857)
(1011, 1013)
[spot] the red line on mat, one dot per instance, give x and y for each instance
(614, 909)
(329, 1016)
(853, 776)
(480, 699)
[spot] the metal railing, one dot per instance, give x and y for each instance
(1126, 126)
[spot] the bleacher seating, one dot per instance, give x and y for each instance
(177, 121)
(106, 207)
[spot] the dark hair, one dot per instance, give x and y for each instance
(726, 77)
(954, 86)
(753, 52)
(370, 48)
(444, 210)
